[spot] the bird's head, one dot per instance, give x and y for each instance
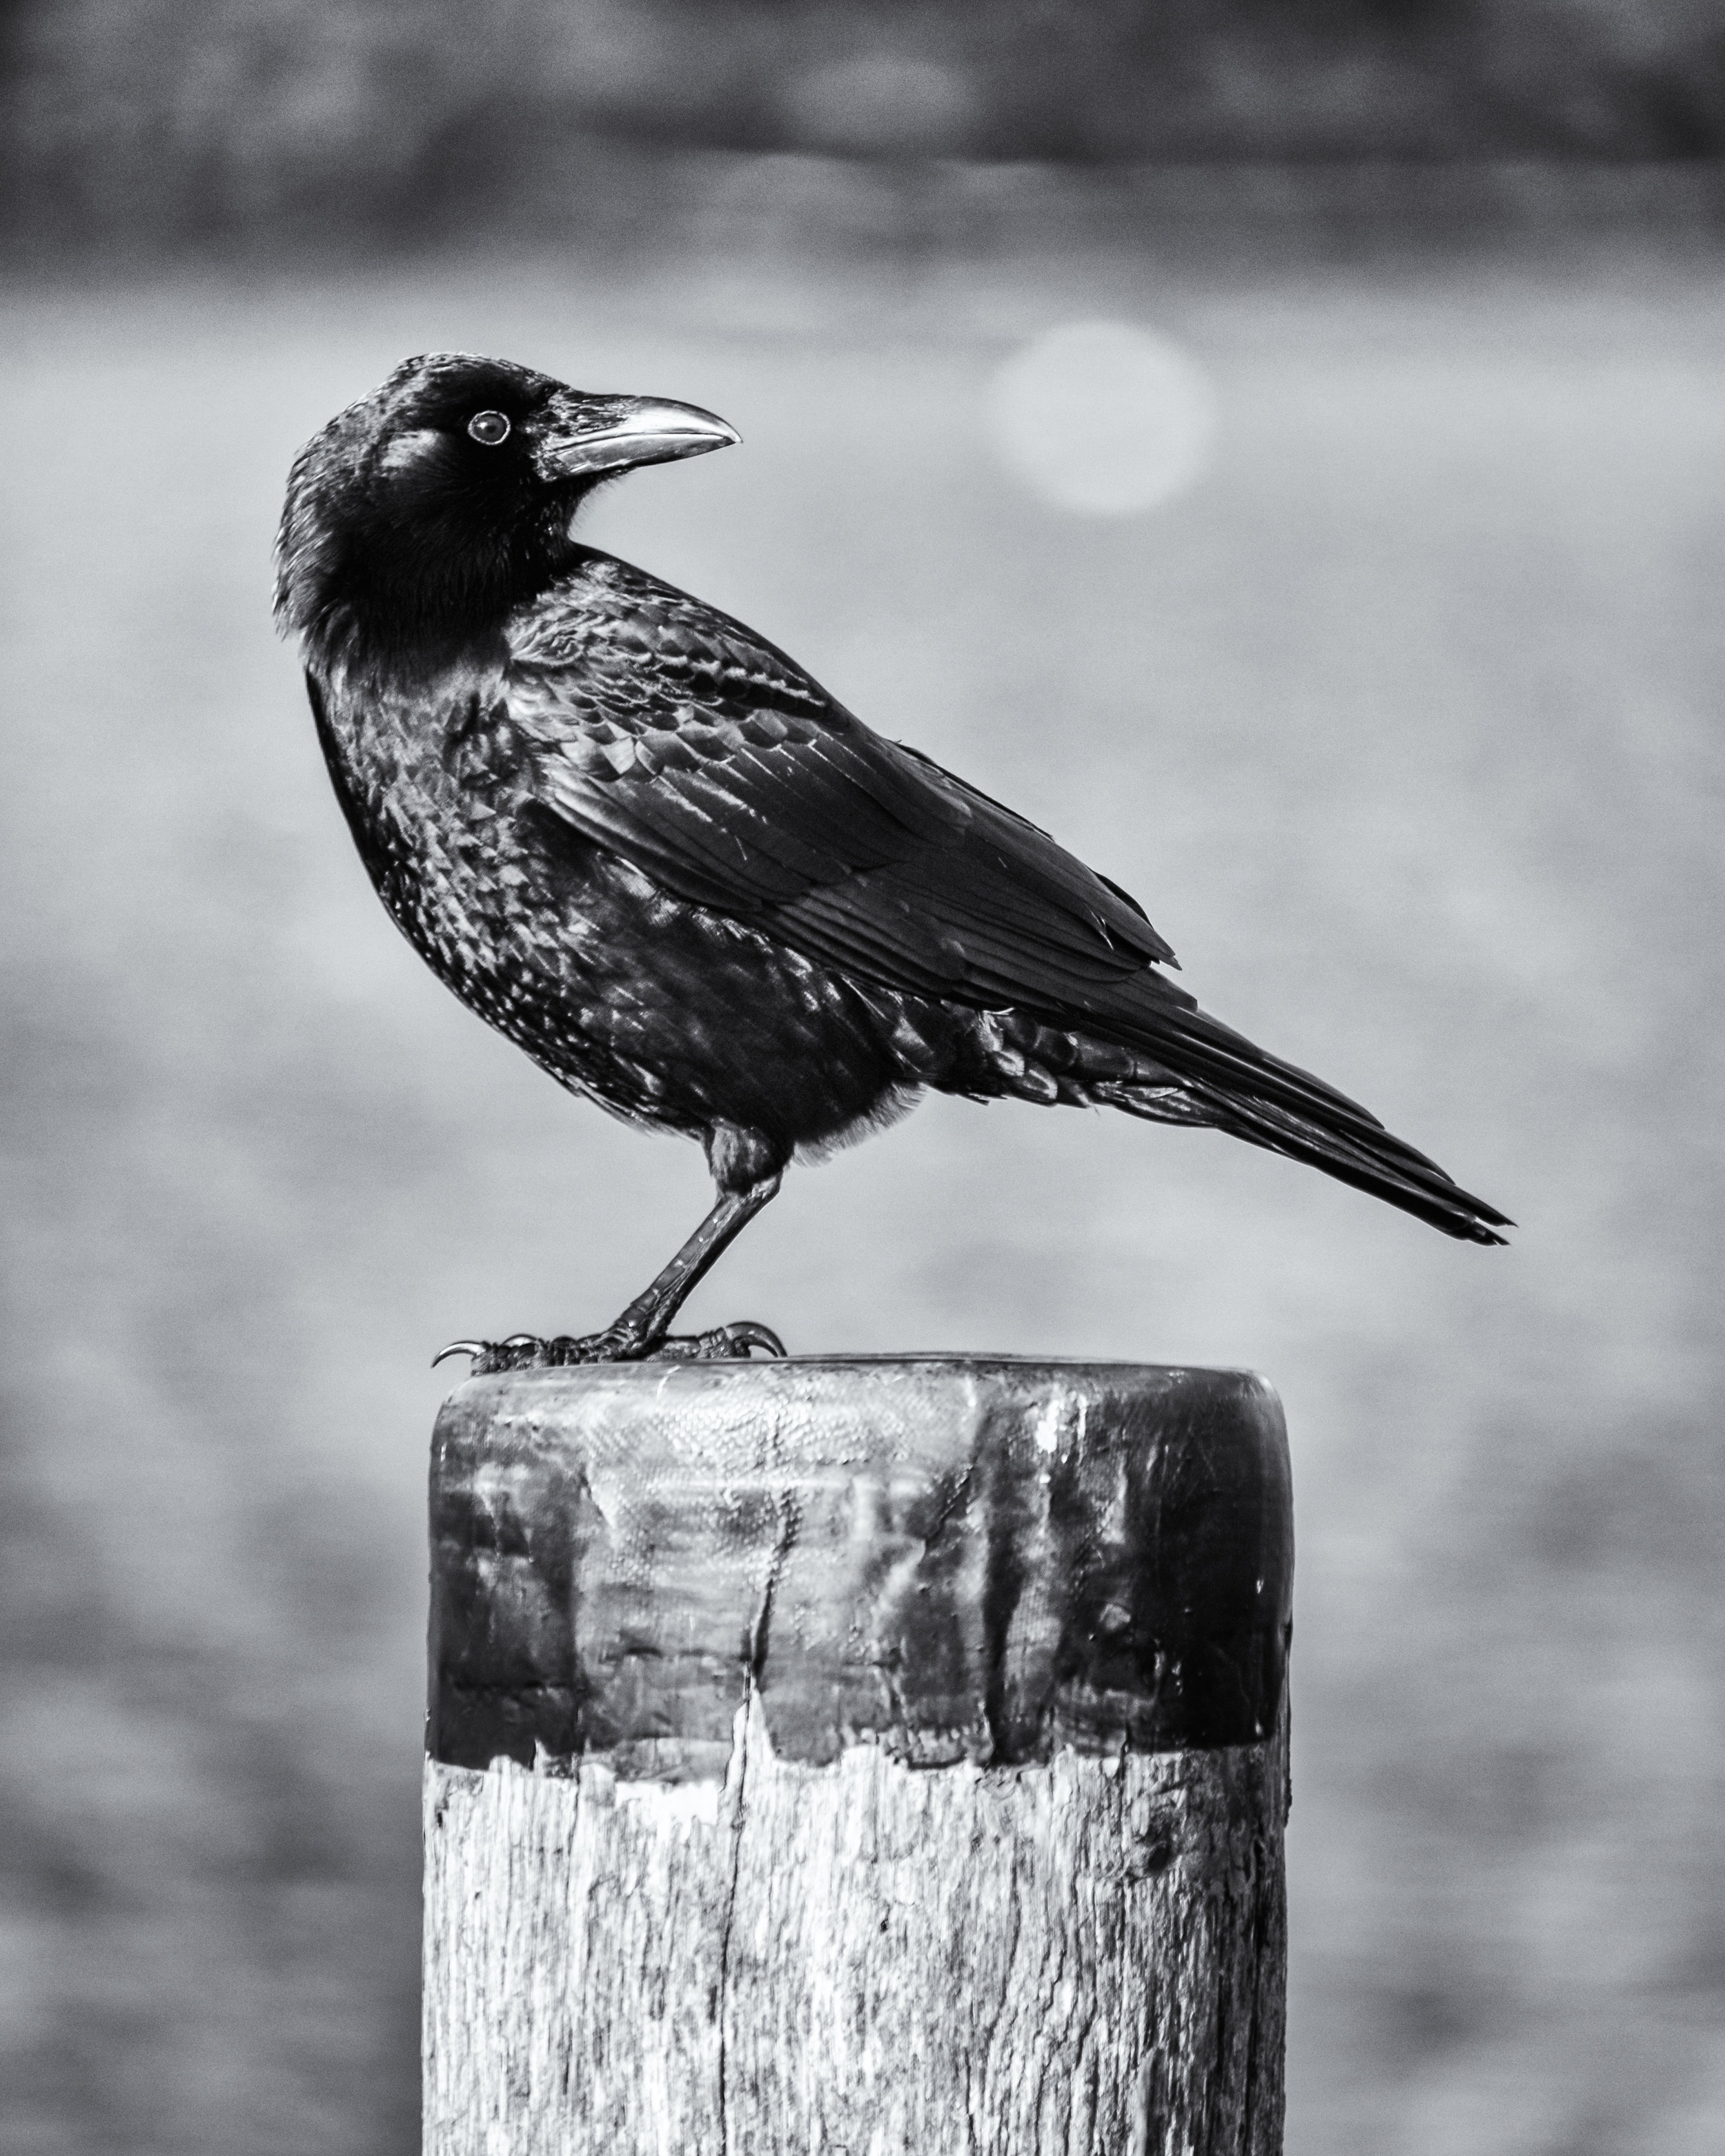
(434, 505)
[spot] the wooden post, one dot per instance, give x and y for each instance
(862, 1757)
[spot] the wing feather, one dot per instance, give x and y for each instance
(671, 735)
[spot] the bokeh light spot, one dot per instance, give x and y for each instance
(1103, 418)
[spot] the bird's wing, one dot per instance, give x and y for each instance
(677, 739)
(674, 737)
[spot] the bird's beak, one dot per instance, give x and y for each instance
(583, 437)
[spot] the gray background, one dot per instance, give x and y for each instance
(1402, 723)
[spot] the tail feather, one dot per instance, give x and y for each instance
(1236, 1087)
(1392, 1172)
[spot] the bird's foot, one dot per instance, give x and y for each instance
(725, 1343)
(617, 1343)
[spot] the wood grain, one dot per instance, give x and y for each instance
(875, 1821)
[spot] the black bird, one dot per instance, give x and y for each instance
(641, 842)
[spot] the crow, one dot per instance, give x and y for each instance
(647, 846)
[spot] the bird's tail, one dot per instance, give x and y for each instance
(1229, 1082)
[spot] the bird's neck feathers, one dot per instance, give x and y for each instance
(370, 594)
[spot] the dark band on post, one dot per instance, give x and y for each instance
(950, 1557)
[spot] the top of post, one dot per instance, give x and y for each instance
(953, 1557)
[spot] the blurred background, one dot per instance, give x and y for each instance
(1278, 447)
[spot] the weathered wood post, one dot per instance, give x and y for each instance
(860, 1757)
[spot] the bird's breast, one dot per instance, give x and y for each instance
(433, 788)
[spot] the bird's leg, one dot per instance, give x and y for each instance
(644, 1328)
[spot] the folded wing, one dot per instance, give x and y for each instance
(673, 737)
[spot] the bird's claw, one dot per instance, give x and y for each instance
(521, 1351)
(526, 1351)
(725, 1343)
(473, 1348)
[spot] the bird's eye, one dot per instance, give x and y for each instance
(490, 427)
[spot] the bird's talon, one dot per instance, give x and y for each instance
(477, 1349)
(747, 1334)
(521, 1351)
(725, 1343)
(526, 1351)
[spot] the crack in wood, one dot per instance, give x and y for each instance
(902, 1763)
